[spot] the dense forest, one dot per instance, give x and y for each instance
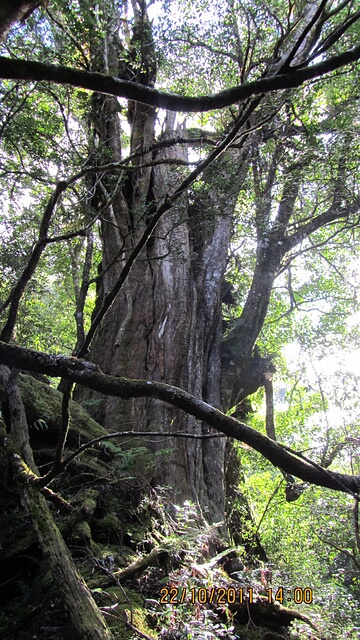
(179, 318)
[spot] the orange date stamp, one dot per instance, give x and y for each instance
(222, 596)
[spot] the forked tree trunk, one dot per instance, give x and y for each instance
(165, 323)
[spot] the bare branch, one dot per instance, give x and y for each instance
(132, 434)
(12, 69)
(335, 212)
(304, 32)
(88, 374)
(345, 552)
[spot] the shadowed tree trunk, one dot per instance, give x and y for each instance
(165, 324)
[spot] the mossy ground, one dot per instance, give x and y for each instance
(117, 518)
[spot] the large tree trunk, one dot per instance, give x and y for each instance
(165, 323)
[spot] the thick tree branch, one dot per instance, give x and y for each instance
(88, 374)
(12, 11)
(39, 71)
(335, 212)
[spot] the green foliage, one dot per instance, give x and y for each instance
(127, 460)
(309, 543)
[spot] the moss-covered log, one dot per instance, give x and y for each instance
(43, 402)
(85, 615)
(267, 614)
(140, 565)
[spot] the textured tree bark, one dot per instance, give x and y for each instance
(165, 323)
